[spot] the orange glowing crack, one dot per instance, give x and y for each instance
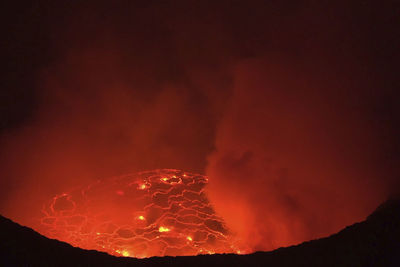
(154, 213)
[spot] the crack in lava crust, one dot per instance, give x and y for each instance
(154, 213)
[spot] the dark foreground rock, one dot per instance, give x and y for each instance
(373, 242)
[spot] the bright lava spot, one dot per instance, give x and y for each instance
(125, 253)
(142, 186)
(169, 215)
(162, 229)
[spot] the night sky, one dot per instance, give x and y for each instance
(291, 109)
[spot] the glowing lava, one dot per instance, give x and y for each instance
(155, 213)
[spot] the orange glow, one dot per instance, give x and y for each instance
(172, 217)
(298, 140)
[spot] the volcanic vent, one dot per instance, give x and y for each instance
(154, 213)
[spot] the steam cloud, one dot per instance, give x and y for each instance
(283, 107)
(294, 159)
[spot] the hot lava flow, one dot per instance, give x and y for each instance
(155, 213)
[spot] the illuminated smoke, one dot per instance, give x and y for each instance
(295, 155)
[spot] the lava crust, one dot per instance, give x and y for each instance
(155, 213)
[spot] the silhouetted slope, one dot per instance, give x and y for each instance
(373, 242)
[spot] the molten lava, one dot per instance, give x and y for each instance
(155, 213)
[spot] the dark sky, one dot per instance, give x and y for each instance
(289, 107)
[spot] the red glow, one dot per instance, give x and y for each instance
(156, 213)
